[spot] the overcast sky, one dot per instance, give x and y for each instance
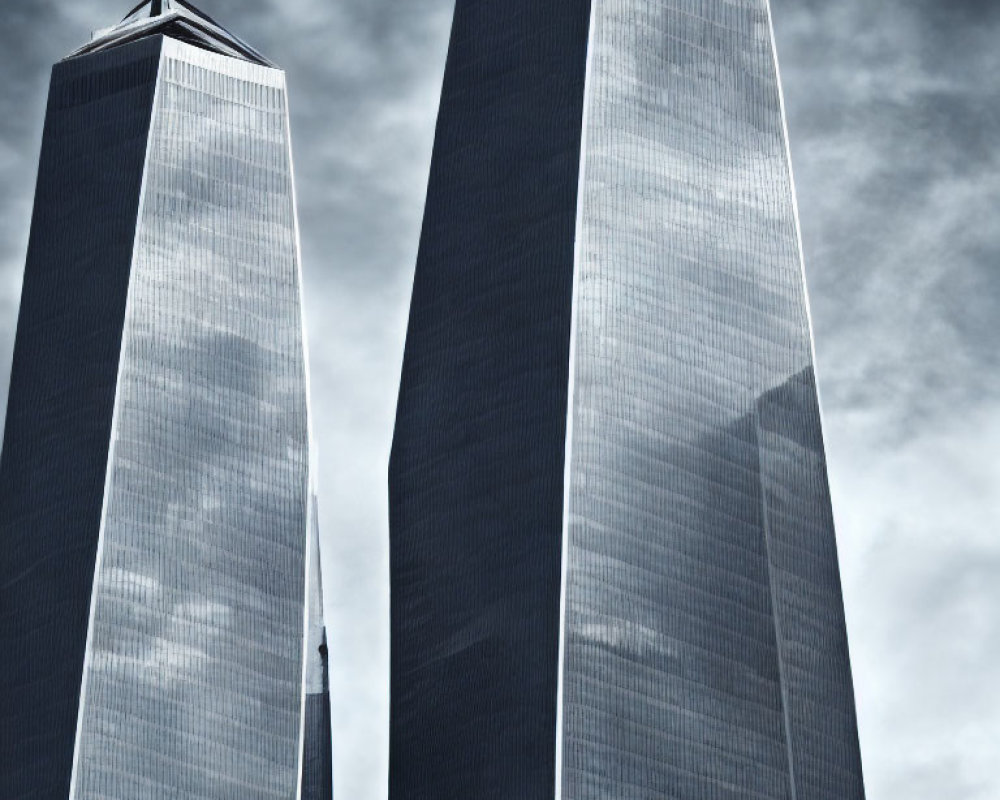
(894, 113)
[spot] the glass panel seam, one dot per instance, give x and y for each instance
(578, 245)
(774, 616)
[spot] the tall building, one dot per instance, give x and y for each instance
(160, 611)
(614, 569)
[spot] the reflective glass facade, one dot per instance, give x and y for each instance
(189, 676)
(702, 647)
(195, 660)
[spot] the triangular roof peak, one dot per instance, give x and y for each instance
(177, 19)
(157, 8)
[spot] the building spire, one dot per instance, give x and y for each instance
(178, 19)
(156, 8)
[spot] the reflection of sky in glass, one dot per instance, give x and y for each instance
(195, 675)
(699, 653)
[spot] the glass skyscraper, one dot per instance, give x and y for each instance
(160, 607)
(614, 569)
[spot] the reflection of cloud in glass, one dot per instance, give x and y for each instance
(892, 118)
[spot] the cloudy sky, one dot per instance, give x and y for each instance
(894, 114)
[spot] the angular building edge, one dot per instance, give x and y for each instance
(60, 407)
(317, 752)
(82, 293)
(474, 465)
(476, 473)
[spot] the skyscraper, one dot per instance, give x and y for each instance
(158, 538)
(614, 569)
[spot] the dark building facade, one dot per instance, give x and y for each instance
(614, 568)
(160, 605)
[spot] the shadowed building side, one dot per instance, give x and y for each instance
(476, 474)
(59, 410)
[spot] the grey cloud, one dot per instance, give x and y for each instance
(24, 63)
(893, 118)
(893, 113)
(363, 80)
(920, 561)
(957, 18)
(893, 123)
